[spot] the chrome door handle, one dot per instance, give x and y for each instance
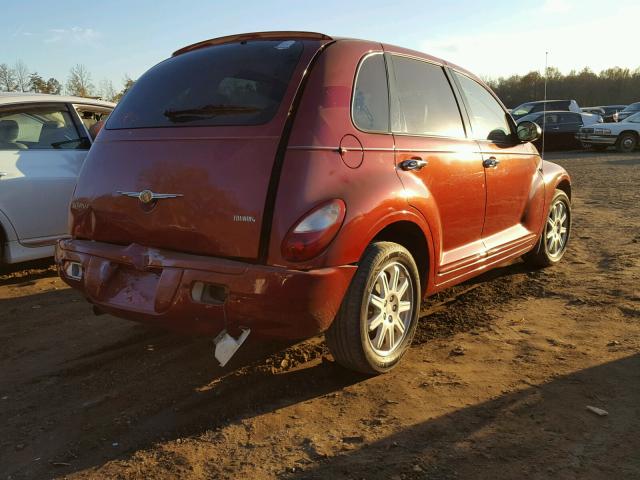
(413, 164)
(490, 162)
(3, 174)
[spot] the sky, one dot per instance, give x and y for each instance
(492, 39)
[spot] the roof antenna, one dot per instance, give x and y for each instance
(544, 105)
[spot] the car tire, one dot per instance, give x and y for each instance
(627, 142)
(554, 238)
(377, 319)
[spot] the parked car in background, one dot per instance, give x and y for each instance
(559, 128)
(594, 110)
(610, 111)
(626, 112)
(542, 105)
(624, 135)
(43, 143)
(278, 183)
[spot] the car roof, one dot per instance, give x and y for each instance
(547, 101)
(282, 35)
(557, 111)
(8, 98)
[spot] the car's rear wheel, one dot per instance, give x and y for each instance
(555, 235)
(627, 142)
(379, 314)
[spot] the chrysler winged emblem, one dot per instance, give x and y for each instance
(147, 196)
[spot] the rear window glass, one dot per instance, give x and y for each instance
(371, 96)
(234, 84)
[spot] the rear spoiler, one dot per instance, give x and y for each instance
(283, 35)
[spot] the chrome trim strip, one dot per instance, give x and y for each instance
(485, 255)
(41, 241)
(490, 262)
(312, 147)
(405, 150)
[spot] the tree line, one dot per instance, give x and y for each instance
(609, 87)
(18, 78)
(612, 86)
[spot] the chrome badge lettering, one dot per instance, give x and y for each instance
(78, 205)
(244, 218)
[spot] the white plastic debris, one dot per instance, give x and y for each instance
(598, 411)
(227, 346)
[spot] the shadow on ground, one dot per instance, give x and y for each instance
(82, 390)
(539, 432)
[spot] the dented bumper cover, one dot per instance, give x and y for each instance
(156, 286)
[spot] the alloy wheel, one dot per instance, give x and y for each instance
(557, 229)
(390, 309)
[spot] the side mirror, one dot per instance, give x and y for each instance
(529, 131)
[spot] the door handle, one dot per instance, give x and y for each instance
(491, 162)
(416, 163)
(3, 174)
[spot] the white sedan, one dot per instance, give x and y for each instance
(43, 143)
(625, 135)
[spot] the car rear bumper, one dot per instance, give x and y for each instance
(157, 287)
(592, 139)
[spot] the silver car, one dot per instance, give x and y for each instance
(43, 142)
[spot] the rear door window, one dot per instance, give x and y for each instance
(424, 103)
(39, 128)
(91, 115)
(231, 84)
(571, 118)
(370, 104)
(488, 118)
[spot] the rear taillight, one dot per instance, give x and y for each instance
(314, 231)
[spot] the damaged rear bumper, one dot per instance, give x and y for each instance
(198, 294)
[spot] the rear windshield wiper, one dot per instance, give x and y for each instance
(207, 111)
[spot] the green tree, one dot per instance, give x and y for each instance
(54, 86)
(37, 84)
(610, 87)
(128, 83)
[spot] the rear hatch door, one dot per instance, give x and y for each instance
(186, 158)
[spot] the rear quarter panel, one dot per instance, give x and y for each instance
(313, 171)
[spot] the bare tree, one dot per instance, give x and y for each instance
(107, 92)
(79, 81)
(23, 79)
(127, 84)
(7, 78)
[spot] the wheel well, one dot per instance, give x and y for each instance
(565, 186)
(410, 236)
(632, 132)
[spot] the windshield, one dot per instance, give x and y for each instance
(635, 118)
(634, 107)
(532, 117)
(232, 84)
(523, 109)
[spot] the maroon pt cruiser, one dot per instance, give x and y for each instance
(290, 183)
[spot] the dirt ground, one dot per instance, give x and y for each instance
(496, 385)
